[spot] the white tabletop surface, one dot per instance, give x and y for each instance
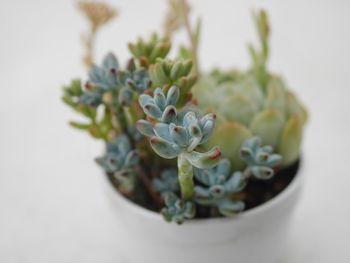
(52, 206)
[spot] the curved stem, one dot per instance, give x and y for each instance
(185, 177)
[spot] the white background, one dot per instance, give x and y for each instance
(52, 206)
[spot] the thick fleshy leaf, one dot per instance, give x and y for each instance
(202, 195)
(179, 135)
(268, 125)
(152, 110)
(173, 96)
(238, 108)
(274, 160)
(262, 172)
(236, 183)
(247, 155)
(169, 114)
(296, 108)
(131, 159)
(205, 160)
(190, 119)
(290, 142)
(159, 98)
(229, 137)
(217, 191)
(167, 182)
(163, 148)
(145, 99)
(96, 74)
(253, 143)
(195, 131)
(125, 96)
(91, 98)
(224, 167)
(276, 95)
(145, 127)
(110, 61)
(202, 176)
(230, 208)
(208, 123)
(163, 130)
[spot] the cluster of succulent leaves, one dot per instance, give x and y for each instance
(219, 187)
(254, 102)
(120, 160)
(156, 109)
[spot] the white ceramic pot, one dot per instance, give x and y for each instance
(257, 235)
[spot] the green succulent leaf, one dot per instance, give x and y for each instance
(291, 137)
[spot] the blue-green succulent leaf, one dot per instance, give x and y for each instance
(152, 110)
(167, 182)
(177, 210)
(179, 135)
(204, 160)
(159, 98)
(262, 172)
(224, 167)
(132, 159)
(236, 183)
(230, 208)
(145, 127)
(125, 96)
(162, 130)
(110, 62)
(173, 95)
(259, 159)
(169, 114)
(145, 99)
(164, 148)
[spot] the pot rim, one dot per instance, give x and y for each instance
(263, 208)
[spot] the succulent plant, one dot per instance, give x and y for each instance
(166, 73)
(158, 109)
(161, 107)
(177, 136)
(260, 160)
(253, 103)
(218, 188)
(177, 210)
(148, 51)
(120, 161)
(167, 182)
(109, 79)
(220, 184)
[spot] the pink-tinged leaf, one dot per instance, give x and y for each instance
(205, 160)
(163, 148)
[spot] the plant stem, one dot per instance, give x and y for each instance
(191, 36)
(89, 44)
(185, 177)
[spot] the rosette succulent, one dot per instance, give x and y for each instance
(253, 103)
(218, 188)
(120, 160)
(177, 210)
(167, 182)
(178, 135)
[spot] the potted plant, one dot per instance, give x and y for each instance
(216, 151)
